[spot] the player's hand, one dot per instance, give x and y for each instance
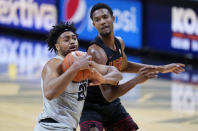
(83, 62)
(96, 78)
(174, 67)
(145, 74)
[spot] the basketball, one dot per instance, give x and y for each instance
(68, 61)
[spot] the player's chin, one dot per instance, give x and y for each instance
(67, 52)
(105, 34)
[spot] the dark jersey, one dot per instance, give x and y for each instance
(115, 58)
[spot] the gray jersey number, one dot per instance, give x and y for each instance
(82, 90)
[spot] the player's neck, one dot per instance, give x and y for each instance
(59, 54)
(109, 41)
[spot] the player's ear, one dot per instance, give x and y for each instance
(113, 18)
(93, 23)
(57, 47)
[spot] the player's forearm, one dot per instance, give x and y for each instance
(173, 67)
(113, 92)
(133, 67)
(160, 69)
(113, 76)
(55, 87)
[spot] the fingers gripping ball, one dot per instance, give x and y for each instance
(68, 61)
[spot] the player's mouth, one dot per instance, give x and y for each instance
(73, 47)
(105, 28)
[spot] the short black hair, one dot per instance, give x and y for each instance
(100, 6)
(56, 31)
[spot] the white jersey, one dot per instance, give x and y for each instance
(66, 109)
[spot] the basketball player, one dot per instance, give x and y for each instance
(64, 99)
(107, 112)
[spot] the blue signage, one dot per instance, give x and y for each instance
(128, 23)
(22, 57)
(175, 31)
(32, 15)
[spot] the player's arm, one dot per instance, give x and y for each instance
(55, 81)
(111, 92)
(110, 74)
(132, 67)
(99, 56)
(129, 67)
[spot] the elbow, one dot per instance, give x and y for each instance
(50, 92)
(120, 76)
(110, 99)
(109, 93)
(49, 95)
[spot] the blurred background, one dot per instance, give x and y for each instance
(155, 32)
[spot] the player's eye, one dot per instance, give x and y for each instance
(66, 40)
(74, 37)
(96, 20)
(105, 16)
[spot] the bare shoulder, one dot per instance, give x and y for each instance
(98, 54)
(121, 41)
(119, 38)
(94, 48)
(53, 65)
